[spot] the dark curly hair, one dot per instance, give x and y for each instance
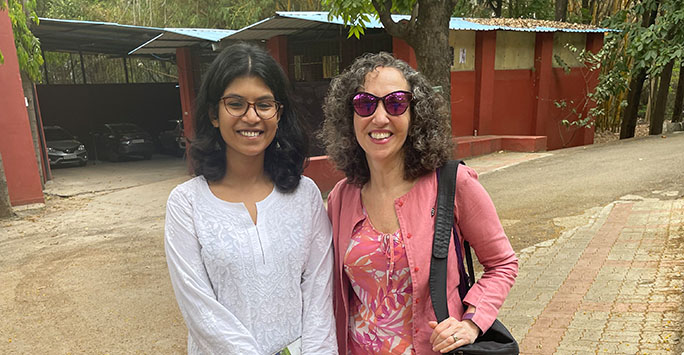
(285, 156)
(428, 142)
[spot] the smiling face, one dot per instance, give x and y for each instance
(382, 135)
(249, 135)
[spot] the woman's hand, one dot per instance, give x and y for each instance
(451, 334)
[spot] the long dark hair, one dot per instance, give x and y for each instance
(285, 156)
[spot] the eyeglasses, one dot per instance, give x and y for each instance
(265, 109)
(395, 103)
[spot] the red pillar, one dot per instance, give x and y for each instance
(186, 84)
(485, 55)
(403, 51)
(16, 142)
(543, 76)
(594, 44)
(277, 46)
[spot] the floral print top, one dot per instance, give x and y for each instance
(380, 309)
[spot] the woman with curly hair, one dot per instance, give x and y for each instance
(388, 131)
(248, 244)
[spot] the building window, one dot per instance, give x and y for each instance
(298, 74)
(331, 66)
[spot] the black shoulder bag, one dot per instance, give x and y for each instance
(497, 339)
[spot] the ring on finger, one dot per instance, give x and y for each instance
(456, 339)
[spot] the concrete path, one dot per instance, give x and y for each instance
(610, 284)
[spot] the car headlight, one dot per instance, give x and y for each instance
(52, 150)
(81, 147)
(126, 142)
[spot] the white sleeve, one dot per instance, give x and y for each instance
(213, 328)
(318, 322)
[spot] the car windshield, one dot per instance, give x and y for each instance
(56, 134)
(124, 128)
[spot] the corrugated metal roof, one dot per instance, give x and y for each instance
(286, 23)
(207, 34)
(173, 38)
(532, 25)
(117, 39)
(91, 37)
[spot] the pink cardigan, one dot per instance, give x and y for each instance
(478, 223)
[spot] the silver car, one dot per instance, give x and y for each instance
(63, 148)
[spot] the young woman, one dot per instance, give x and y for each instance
(389, 132)
(248, 242)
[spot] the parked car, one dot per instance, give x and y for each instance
(63, 148)
(172, 138)
(116, 140)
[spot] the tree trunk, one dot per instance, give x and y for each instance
(5, 206)
(561, 10)
(652, 91)
(636, 85)
(658, 117)
(496, 6)
(629, 119)
(428, 33)
(679, 97)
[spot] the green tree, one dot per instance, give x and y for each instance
(427, 30)
(27, 45)
(653, 47)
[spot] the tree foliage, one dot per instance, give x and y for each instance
(173, 13)
(427, 30)
(652, 36)
(21, 14)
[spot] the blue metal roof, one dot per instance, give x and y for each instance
(208, 34)
(117, 39)
(456, 23)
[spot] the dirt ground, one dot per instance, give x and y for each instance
(86, 274)
(608, 136)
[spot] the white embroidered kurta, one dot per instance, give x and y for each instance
(251, 289)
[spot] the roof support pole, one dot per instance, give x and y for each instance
(82, 67)
(71, 67)
(45, 70)
(186, 84)
(277, 47)
(543, 77)
(125, 69)
(485, 55)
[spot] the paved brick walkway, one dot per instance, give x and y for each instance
(612, 286)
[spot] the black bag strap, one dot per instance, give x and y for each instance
(444, 221)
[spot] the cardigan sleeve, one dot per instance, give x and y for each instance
(479, 224)
(213, 328)
(318, 322)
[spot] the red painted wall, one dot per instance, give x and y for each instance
(571, 88)
(16, 142)
(277, 47)
(322, 171)
(403, 51)
(517, 102)
(462, 102)
(513, 103)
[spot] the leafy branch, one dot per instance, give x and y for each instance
(27, 45)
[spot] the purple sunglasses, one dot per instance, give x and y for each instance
(395, 103)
